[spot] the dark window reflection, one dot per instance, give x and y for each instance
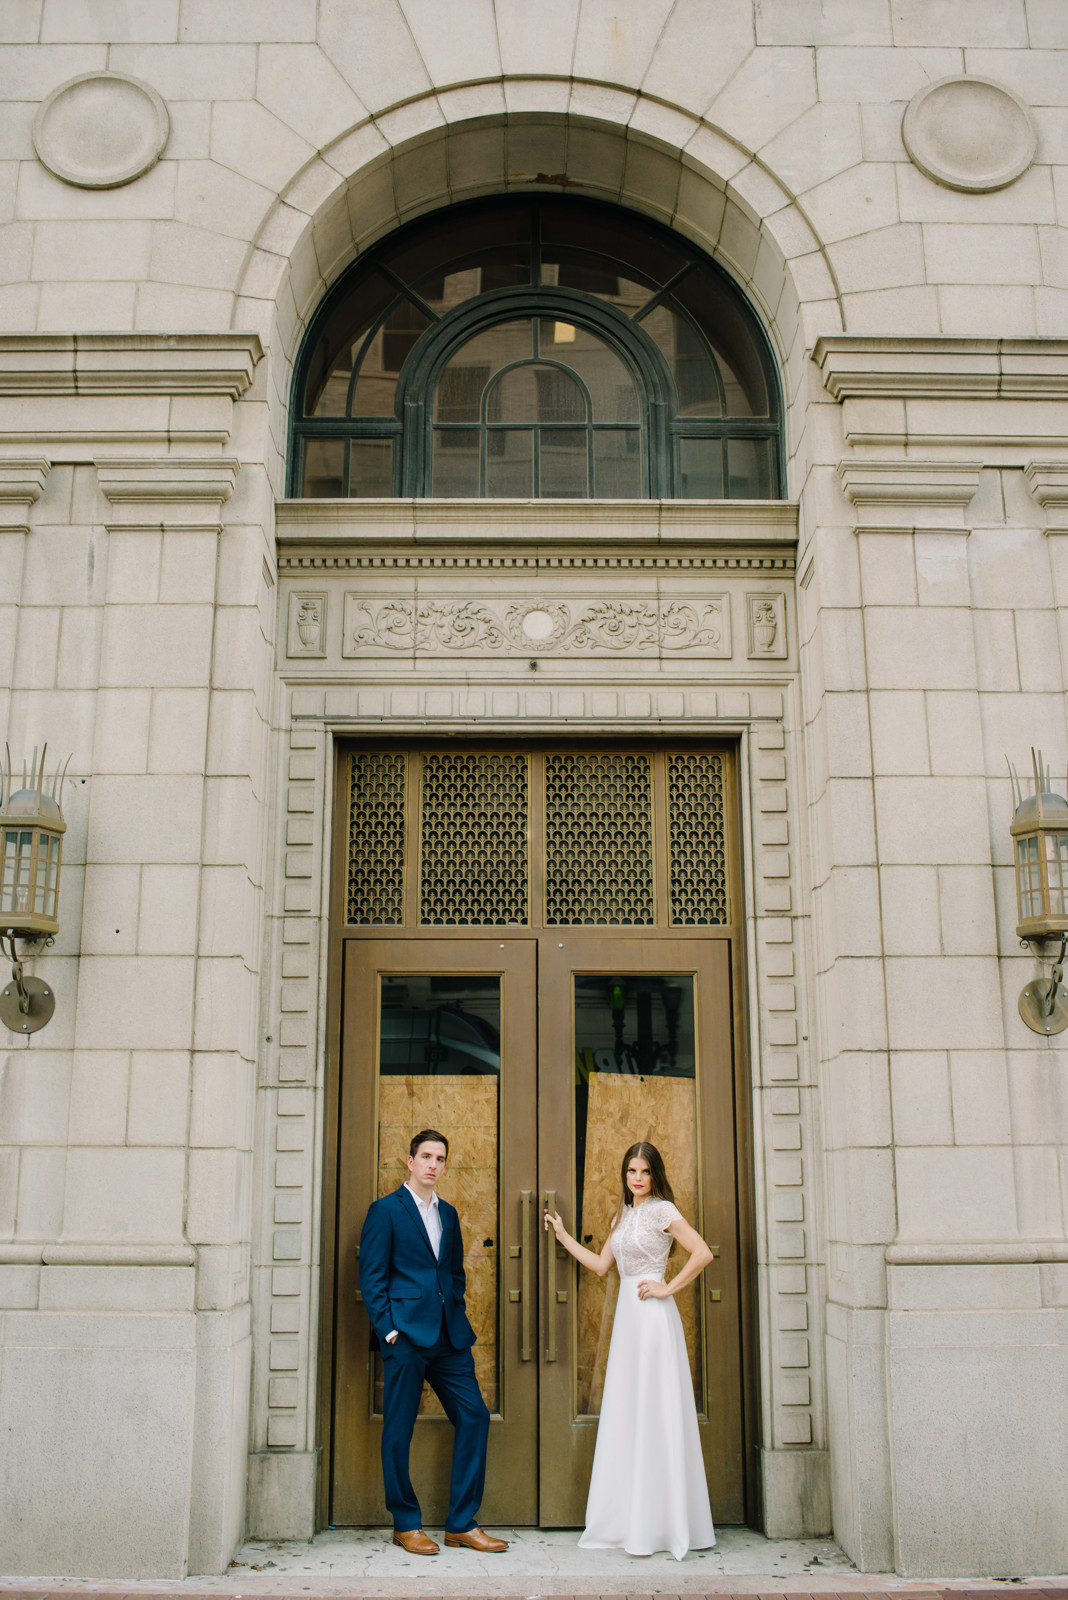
(635, 1024)
(598, 281)
(640, 1026)
(445, 1026)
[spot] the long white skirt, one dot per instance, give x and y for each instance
(648, 1489)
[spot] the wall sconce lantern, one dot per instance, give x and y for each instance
(1040, 835)
(31, 850)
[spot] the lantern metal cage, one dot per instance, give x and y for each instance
(31, 853)
(1040, 862)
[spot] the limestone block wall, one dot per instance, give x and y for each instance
(925, 449)
(139, 612)
(931, 605)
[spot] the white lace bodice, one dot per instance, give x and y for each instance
(640, 1243)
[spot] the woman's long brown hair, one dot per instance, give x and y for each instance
(661, 1188)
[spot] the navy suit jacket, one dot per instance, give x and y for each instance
(403, 1286)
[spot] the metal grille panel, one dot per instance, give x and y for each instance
(376, 838)
(599, 840)
(474, 867)
(698, 857)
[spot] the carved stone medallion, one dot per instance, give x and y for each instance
(969, 133)
(101, 129)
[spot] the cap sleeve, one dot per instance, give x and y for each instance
(669, 1213)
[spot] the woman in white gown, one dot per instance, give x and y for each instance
(648, 1489)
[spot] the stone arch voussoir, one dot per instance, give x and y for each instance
(539, 135)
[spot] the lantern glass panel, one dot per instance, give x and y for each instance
(1057, 872)
(1028, 878)
(17, 885)
(47, 875)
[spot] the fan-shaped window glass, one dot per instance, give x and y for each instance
(533, 408)
(536, 348)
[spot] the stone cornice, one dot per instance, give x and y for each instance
(1048, 481)
(908, 493)
(866, 367)
(169, 491)
(128, 363)
(21, 482)
(526, 523)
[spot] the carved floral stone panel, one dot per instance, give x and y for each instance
(385, 626)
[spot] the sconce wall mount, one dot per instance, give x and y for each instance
(31, 850)
(1040, 858)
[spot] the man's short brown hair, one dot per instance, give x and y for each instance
(428, 1136)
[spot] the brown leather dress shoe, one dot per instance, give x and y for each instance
(415, 1541)
(477, 1539)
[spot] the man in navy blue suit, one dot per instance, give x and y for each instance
(412, 1279)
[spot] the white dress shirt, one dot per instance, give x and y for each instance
(431, 1215)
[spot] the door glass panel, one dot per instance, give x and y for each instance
(439, 1064)
(635, 1078)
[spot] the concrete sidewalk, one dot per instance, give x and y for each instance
(539, 1563)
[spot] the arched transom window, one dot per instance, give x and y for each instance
(526, 348)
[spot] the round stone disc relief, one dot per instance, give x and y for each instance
(969, 133)
(101, 129)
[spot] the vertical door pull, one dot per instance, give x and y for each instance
(528, 1247)
(550, 1296)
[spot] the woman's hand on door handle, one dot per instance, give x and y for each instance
(587, 1258)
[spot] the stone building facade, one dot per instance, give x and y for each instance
(885, 183)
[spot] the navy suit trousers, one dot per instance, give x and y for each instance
(451, 1375)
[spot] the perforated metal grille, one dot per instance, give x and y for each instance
(598, 839)
(376, 837)
(474, 839)
(697, 846)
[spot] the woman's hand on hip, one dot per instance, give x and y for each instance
(653, 1289)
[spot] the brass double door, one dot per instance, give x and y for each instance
(542, 1057)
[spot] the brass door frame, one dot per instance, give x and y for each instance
(566, 1435)
(515, 962)
(734, 932)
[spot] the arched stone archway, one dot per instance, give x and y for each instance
(662, 162)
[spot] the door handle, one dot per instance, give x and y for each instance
(528, 1248)
(550, 1295)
